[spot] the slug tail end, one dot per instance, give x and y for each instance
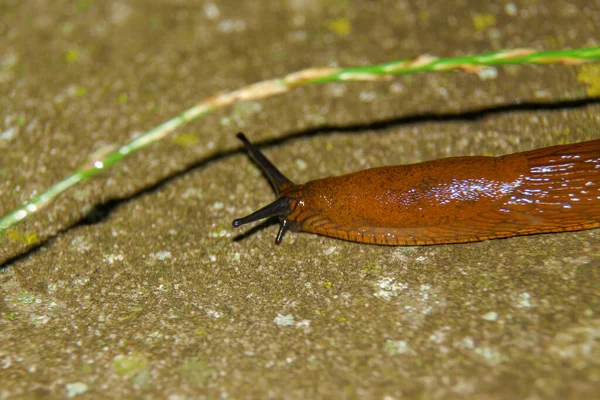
(277, 179)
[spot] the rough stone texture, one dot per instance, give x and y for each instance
(138, 286)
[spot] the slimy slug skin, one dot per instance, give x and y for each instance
(451, 200)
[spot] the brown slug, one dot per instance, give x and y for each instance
(451, 200)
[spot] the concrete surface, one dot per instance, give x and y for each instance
(134, 284)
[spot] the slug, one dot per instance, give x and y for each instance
(451, 200)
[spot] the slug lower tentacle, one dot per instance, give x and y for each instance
(451, 200)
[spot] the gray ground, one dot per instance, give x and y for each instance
(152, 295)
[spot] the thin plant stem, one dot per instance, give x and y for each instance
(100, 161)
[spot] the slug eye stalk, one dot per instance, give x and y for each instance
(277, 179)
(280, 207)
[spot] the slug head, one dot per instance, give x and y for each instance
(280, 207)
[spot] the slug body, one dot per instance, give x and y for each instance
(451, 200)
